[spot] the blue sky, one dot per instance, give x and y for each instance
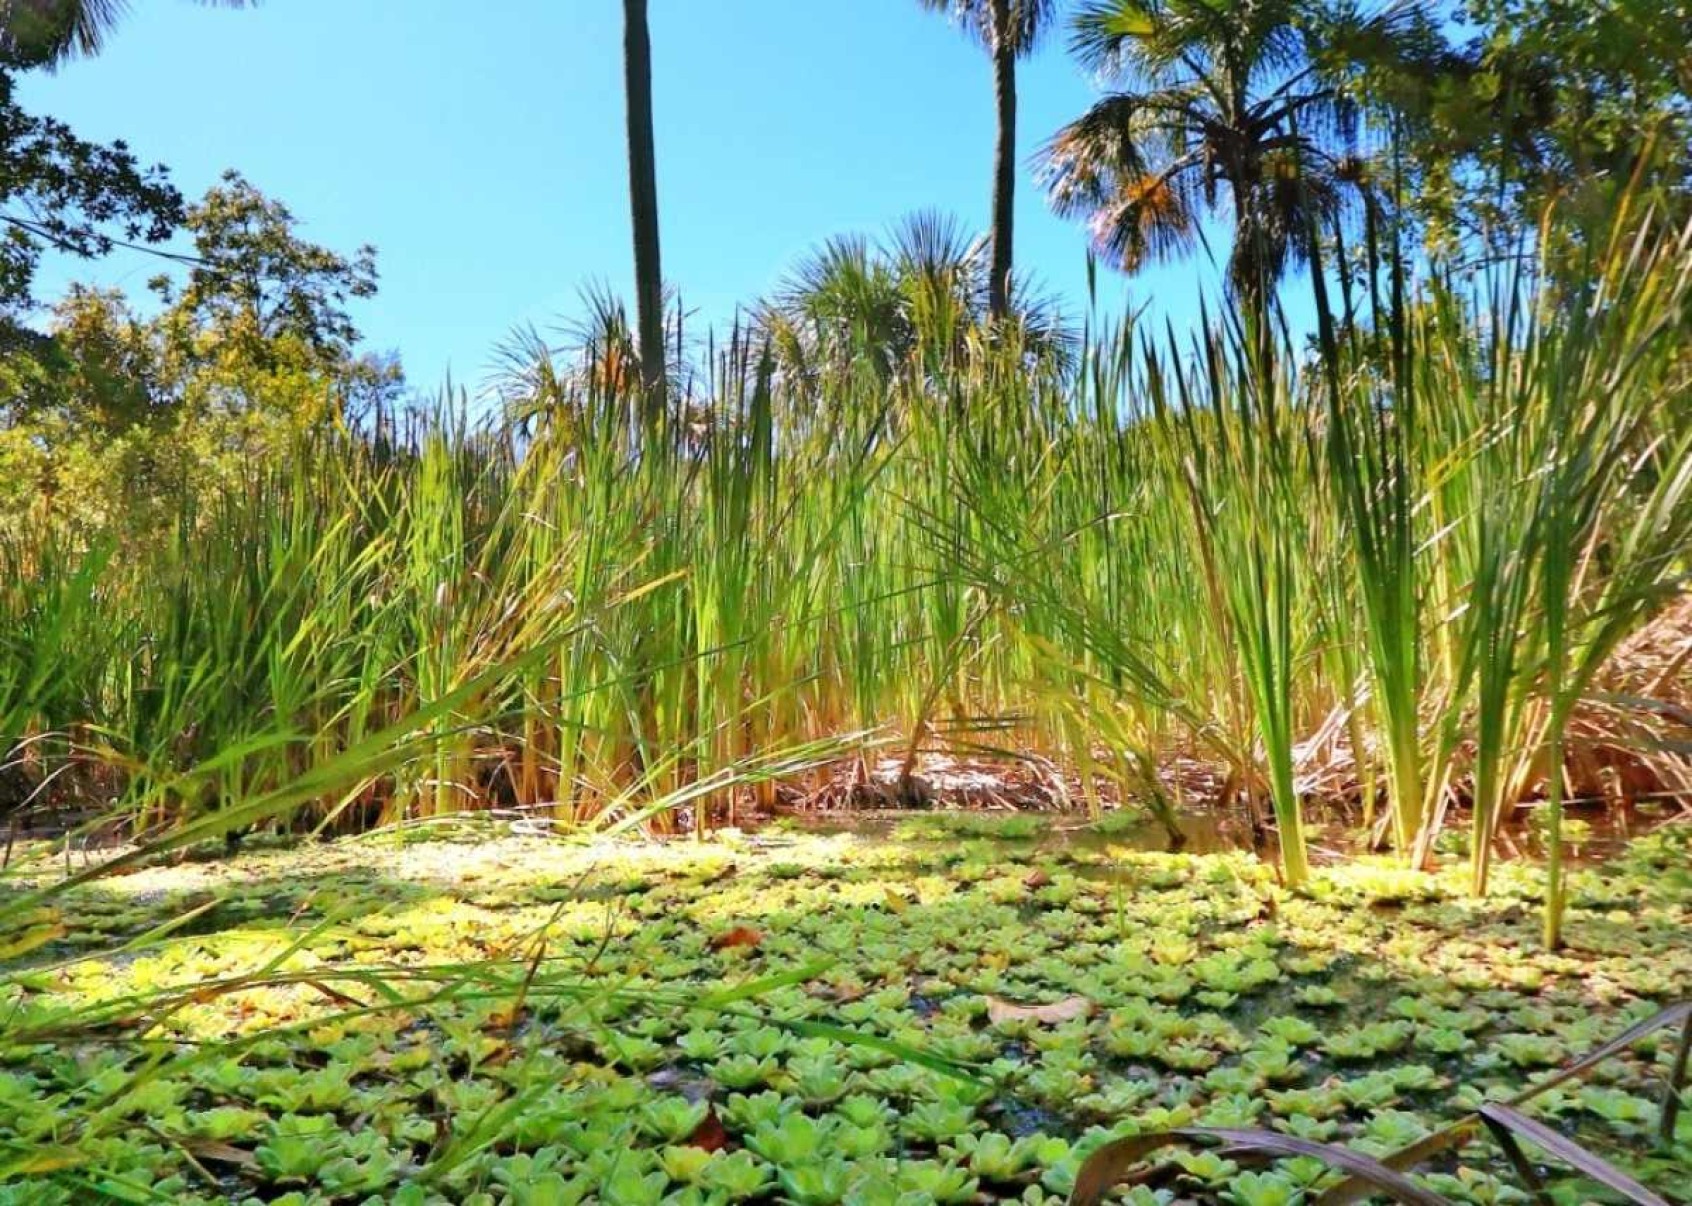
(480, 147)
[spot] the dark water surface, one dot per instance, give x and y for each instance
(1600, 833)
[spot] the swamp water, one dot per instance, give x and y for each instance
(881, 1014)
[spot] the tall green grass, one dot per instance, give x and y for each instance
(1129, 553)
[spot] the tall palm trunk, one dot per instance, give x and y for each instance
(1004, 158)
(1251, 282)
(643, 204)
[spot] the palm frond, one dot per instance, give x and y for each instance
(1029, 20)
(1150, 218)
(44, 33)
(1081, 163)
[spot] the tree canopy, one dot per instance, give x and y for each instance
(110, 414)
(61, 191)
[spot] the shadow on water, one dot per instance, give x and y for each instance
(1204, 832)
(1598, 834)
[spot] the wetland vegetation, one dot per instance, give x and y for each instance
(1278, 731)
(938, 1016)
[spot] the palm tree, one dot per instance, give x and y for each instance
(44, 33)
(1009, 29)
(908, 302)
(1228, 106)
(643, 203)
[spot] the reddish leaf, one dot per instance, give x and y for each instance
(740, 935)
(1037, 879)
(710, 1134)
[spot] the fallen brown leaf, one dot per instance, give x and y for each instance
(221, 1153)
(1065, 1010)
(840, 992)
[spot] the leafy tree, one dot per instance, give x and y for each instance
(89, 430)
(253, 280)
(58, 190)
(111, 418)
(260, 324)
(1508, 106)
(1009, 30)
(1224, 105)
(643, 201)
